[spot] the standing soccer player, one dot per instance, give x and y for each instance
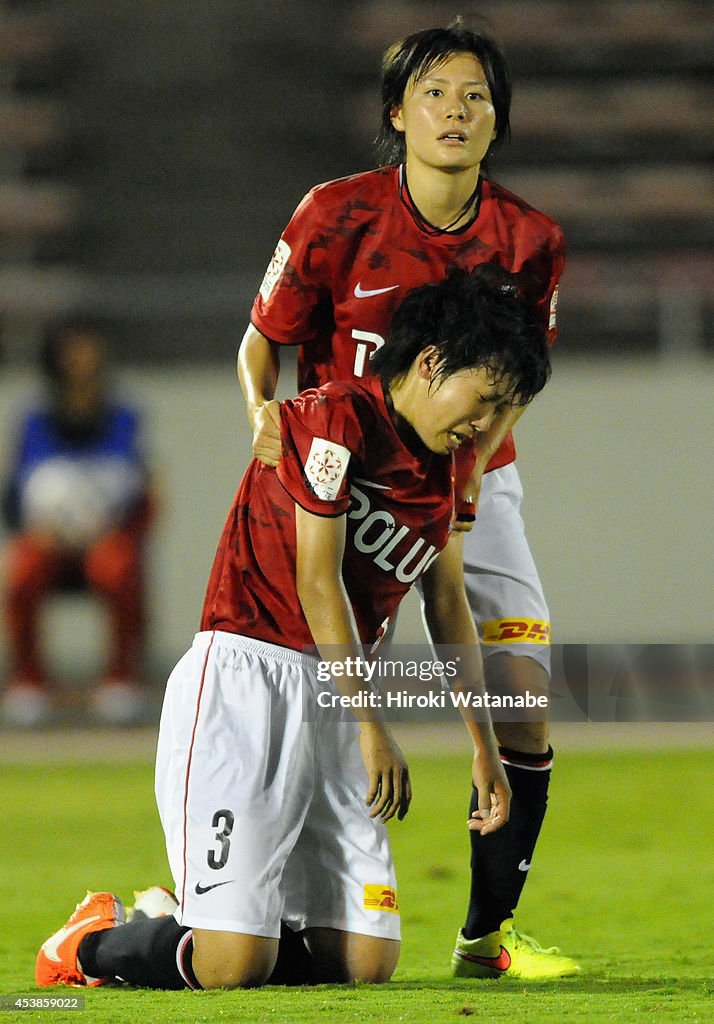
(351, 250)
(270, 813)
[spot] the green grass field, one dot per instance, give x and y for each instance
(622, 881)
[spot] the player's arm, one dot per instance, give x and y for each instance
(488, 444)
(449, 621)
(258, 368)
(10, 500)
(320, 549)
(491, 440)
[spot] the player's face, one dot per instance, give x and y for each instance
(447, 116)
(456, 408)
(81, 367)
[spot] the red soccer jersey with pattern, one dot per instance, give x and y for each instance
(341, 454)
(355, 246)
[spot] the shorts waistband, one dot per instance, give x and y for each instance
(261, 648)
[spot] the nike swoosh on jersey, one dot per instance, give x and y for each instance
(201, 889)
(524, 865)
(366, 293)
(53, 943)
(499, 963)
(368, 483)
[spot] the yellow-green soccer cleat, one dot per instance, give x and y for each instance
(511, 954)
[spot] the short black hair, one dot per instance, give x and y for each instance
(475, 318)
(413, 57)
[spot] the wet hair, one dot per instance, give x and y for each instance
(411, 58)
(475, 319)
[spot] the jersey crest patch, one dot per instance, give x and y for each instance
(325, 468)
(275, 269)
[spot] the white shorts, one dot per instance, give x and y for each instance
(263, 811)
(502, 583)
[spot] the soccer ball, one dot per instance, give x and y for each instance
(78, 500)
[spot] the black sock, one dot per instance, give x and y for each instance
(145, 953)
(497, 860)
(294, 963)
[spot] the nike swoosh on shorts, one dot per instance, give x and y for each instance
(201, 889)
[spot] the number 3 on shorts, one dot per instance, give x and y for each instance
(223, 820)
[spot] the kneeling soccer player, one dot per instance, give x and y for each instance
(270, 814)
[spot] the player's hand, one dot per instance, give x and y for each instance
(494, 794)
(463, 525)
(390, 790)
(266, 433)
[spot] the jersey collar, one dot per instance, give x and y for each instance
(421, 222)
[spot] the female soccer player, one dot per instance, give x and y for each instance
(270, 810)
(351, 250)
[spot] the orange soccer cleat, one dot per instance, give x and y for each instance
(57, 962)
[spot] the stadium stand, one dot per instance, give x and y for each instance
(151, 154)
(40, 209)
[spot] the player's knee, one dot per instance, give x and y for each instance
(27, 566)
(228, 976)
(524, 677)
(373, 974)
(375, 964)
(112, 564)
(340, 957)
(515, 673)
(529, 737)
(228, 960)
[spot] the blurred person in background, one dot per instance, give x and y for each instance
(351, 249)
(78, 504)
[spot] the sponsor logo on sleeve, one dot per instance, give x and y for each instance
(325, 468)
(275, 269)
(516, 631)
(381, 897)
(553, 309)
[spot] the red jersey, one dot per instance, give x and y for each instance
(341, 454)
(354, 247)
